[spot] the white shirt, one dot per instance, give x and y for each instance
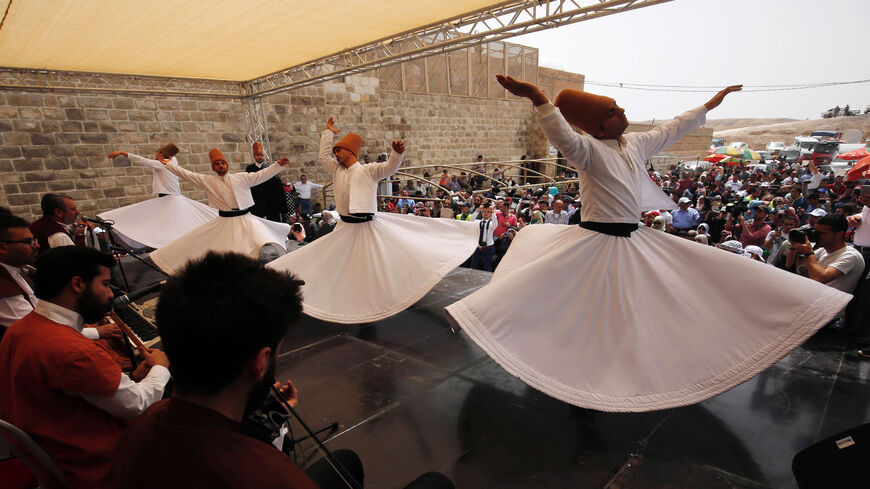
(131, 398)
(16, 307)
(862, 232)
(553, 218)
(815, 181)
(163, 181)
(487, 226)
(305, 189)
(60, 239)
(355, 188)
(613, 178)
(848, 261)
(228, 192)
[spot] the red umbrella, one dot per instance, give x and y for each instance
(854, 155)
(860, 170)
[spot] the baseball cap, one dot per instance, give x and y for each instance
(685, 200)
(818, 212)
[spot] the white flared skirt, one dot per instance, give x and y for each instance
(157, 222)
(365, 272)
(638, 324)
(245, 234)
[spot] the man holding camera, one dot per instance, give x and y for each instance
(834, 263)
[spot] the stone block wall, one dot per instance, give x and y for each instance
(58, 142)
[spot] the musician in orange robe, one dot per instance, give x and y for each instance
(66, 390)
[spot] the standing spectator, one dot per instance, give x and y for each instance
(778, 237)
(482, 257)
(754, 231)
(558, 215)
(304, 187)
(685, 218)
(505, 218)
(858, 311)
(404, 201)
(835, 263)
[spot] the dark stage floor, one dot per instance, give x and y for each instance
(410, 396)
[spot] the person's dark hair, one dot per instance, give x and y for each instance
(303, 175)
(836, 222)
(4, 211)
(57, 266)
(8, 221)
(50, 202)
(223, 303)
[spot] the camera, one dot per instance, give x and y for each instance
(801, 235)
(735, 209)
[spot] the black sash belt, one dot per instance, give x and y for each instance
(623, 229)
(162, 195)
(357, 217)
(233, 213)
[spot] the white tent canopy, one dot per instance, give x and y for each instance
(215, 39)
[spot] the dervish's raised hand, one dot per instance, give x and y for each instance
(717, 99)
(399, 146)
(522, 89)
(330, 124)
(283, 161)
(115, 154)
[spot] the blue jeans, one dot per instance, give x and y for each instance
(305, 204)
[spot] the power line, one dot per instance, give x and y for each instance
(713, 89)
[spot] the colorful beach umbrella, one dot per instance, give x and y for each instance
(748, 154)
(854, 155)
(727, 150)
(860, 170)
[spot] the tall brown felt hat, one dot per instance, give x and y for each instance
(351, 142)
(215, 154)
(169, 150)
(584, 110)
(257, 146)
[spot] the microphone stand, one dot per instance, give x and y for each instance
(342, 472)
(117, 250)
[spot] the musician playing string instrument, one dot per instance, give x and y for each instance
(231, 304)
(62, 388)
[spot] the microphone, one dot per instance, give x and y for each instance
(127, 299)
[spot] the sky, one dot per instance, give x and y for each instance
(704, 43)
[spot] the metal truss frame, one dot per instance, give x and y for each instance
(255, 122)
(508, 19)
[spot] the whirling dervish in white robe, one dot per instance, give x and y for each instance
(373, 264)
(621, 327)
(156, 222)
(236, 229)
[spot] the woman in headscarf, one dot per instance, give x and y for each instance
(703, 235)
(659, 224)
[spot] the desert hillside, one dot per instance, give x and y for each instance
(763, 131)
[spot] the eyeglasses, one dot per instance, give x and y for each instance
(30, 241)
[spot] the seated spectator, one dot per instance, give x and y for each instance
(755, 253)
(703, 234)
(202, 421)
(66, 390)
(732, 246)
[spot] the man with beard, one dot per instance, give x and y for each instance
(269, 201)
(231, 304)
(62, 388)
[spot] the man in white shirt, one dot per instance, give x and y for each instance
(557, 215)
(62, 388)
(834, 263)
(17, 255)
(482, 257)
(304, 187)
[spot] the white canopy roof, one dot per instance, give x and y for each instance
(214, 39)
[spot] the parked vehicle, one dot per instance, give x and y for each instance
(775, 147)
(716, 142)
(805, 145)
(765, 156)
(824, 151)
(790, 154)
(824, 134)
(738, 145)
